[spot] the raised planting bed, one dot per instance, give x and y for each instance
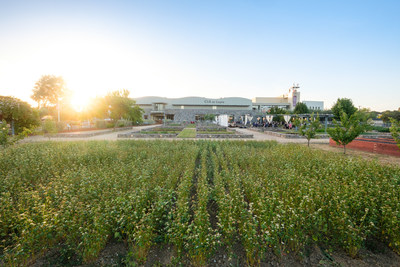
(224, 136)
(211, 128)
(89, 133)
(152, 135)
(164, 129)
(386, 146)
(287, 134)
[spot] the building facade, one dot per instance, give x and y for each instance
(196, 108)
(314, 105)
(192, 108)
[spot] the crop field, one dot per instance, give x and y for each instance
(197, 197)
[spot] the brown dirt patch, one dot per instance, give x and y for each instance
(384, 159)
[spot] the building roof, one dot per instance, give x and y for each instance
(195, 101)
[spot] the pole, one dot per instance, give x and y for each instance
(12, 128)
(58, 109)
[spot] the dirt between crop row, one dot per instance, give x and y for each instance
(116, 254)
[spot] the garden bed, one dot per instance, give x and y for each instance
(227, 136)
(379, 145)
(150, 135)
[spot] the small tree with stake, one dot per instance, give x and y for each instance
(395, 130)
(348, 128)
(308, 128)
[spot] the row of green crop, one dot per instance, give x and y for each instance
(197, 196)
(79, 196)
(294, 197)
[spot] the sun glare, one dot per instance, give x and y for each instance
(80, 102)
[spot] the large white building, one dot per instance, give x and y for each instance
(314, 105)
(286, 101)
(196, 108)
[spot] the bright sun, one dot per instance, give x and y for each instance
(80, 102)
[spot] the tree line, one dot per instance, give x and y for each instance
(54, 99)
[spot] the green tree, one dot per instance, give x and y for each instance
(120, 106)
(278, 113)
(308, 128)
(209, 117)
(18, 114)
(386, 115)
(348, 128)
(395, 130)
(49, 90)
(116, 105)
(301, 108)
(343, 105)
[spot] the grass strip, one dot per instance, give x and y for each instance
(187, 133)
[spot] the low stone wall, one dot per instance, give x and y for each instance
(89, 134)
(287, 135)
(159, 128)
(139, 135)
(385, 146)
(227, 136)
(212, 128)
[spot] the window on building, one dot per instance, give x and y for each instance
(146, 117)
(159, 107)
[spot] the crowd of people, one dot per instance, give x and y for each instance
(273, 124)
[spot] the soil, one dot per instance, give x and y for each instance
(384, 159)
(116, 254)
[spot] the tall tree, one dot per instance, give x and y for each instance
(348, 128)
(343, 105)
(48, 90)
(18, 114)
(278, 113)
(387, 115)
(116, 105)
(308, 128)
(301, 108)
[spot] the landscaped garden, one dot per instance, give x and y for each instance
(186, 131)
(65, 202)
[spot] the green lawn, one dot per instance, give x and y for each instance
(187, 133)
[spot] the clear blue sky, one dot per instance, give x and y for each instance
(206, 48)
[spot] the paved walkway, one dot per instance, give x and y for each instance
(257, 136)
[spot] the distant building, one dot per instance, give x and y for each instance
(287, 101)
(314, 105)
(195, 108)
(191, 108)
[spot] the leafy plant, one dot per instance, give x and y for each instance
(347, 129)
(395, 130)
(49, 128)
(308, 127)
